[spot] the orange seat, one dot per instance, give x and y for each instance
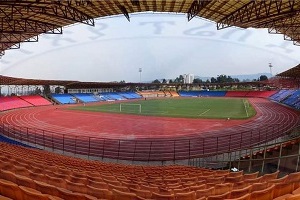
(141, 193)
(234, 179)
(278, 180)
(281, 189)
(158, 196)
(223, 188)
(197, 187)
(205, 192)
(100, 193)
(46, 188)
(24, 181)
(235, 193)
(294, 197)
(268, 177)
(66, 194)
(8, 175)
(219, 197)
(253, 180)
(97, 184)
(294, 178)
(296, 191)
(240, 185)
(29, 194)
(186, 196)
(244, 197)
(259, 186)
(75, 187)
(10, 190)
(181, 190)
(117, 195)
(4, 198)
(251, 175)
(266, 194)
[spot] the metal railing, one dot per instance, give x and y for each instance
(149, 150)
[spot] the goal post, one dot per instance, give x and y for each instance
(130, 108)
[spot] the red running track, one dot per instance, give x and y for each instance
(155, 138)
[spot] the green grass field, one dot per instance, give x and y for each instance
(217, 108)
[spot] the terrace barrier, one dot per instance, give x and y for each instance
(150, 150)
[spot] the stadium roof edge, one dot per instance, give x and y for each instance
(26, 19)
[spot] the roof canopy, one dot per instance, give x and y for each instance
(24, 20)
(291, 73)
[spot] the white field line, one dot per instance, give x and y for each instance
(246, 108)
(204, 112)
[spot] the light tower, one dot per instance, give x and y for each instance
(270, 65)
(140, 71)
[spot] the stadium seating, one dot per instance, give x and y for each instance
(36, 100)
(64, 98)
(85, 97)
(202, 93)
(12, 102)
(152, 94)
(35, 174)
(292, 99)
(236, 93)
(281, 95)
(111, 96)
(288, 97)
(129, 95)
(258, 94)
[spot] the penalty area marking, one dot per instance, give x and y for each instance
(204, 112)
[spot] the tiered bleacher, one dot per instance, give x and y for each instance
(129, 95)
(288, 97)
(86, 97)
(90, 97)
(35, 174)
(152, 94)
(112, 96)
(36, 100)
(12, 102)
(202, 93)
(64, 98)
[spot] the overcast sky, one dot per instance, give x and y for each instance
(163, 45)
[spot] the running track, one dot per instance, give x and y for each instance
(150, 138)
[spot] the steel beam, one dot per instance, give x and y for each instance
(135, 2)
(70, 13)
(196, 7)
(258, 11)
(28, 26)
(124, 11)
(17, 38)
(6, 46)
(56, 10)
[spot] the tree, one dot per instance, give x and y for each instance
(164, 81)
(181, 79)
(156, 81)
(263, 78)
(213, 80)
(170, 81)
(197, 80)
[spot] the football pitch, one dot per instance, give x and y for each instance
(209, 108)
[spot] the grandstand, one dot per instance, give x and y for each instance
(266, 156)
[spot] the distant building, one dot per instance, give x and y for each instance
(188, 78)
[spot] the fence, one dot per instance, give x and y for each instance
(148, 150)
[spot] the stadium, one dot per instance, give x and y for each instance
(179, 141)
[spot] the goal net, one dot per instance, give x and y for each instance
(130, 108)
